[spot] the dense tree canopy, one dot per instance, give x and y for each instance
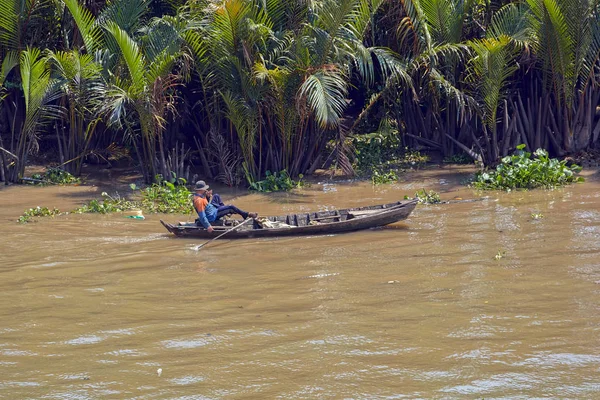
(241, 87)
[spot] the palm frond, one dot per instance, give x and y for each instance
(434, 56)
(161, 36)
(591, 57)
(86, 23)
(10, 61)
(513, 20)
(132, 56)
(465, 102)
(10, 15)
(413, 31)
(334, 14)
(79, 76)
(333, 17)
(245, 122)
(364, 13)
(127, 14)
(114, 106)
(325, 93)
(161, 66)
(553, 45)
(227, 25)
(444, 18)
(392, 66)
(39, 92)
(277, 10)
(492, 67)
(198, 43)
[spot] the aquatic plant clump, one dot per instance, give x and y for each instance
(413, 158)
(167, 198)
(277, 182)
(380, 178)
(427, 197)
(374, 151)
(163, 197)
(108, 204)
(56, 176)
(37, 212)
(520, 171)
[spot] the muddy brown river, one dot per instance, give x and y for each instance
(461, 301)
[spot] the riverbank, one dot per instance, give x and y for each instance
(443, 178)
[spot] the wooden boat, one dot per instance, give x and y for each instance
(313, 223)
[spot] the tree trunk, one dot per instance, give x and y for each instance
(3, 165)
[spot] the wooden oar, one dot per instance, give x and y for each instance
(221, 235)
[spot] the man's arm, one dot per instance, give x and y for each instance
(204, 221)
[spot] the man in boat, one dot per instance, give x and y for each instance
(208, 212)
(226, 209)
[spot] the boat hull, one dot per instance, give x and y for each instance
(317, 223)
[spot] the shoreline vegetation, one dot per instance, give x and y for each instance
(521, 171)
(261, 93)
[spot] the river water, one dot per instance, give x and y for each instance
(460, 301)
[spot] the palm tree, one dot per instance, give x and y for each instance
(144, 93)
(284, 85)
(431, 43)
(79, 77)
(40, 92)
(564, 36)
(140, 77)
(491, 68)
(17, 21)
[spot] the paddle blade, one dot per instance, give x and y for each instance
(199, 246)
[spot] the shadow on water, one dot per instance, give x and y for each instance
(594, 176)
(92, 193)
(288, 198)
(443, 177)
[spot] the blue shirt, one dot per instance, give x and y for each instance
(207, 212)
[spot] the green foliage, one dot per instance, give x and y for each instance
(459, 158)
(57, 176)
(37, 212)
(108, 204)
(492, 67)
(276, 78)
(379, 178)
(162, 197)
(382, 151)
(425, 197)
(520, 171)
(374, 149)
(413, 158)
(277, 182)
(167, 197)
(40, 92)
